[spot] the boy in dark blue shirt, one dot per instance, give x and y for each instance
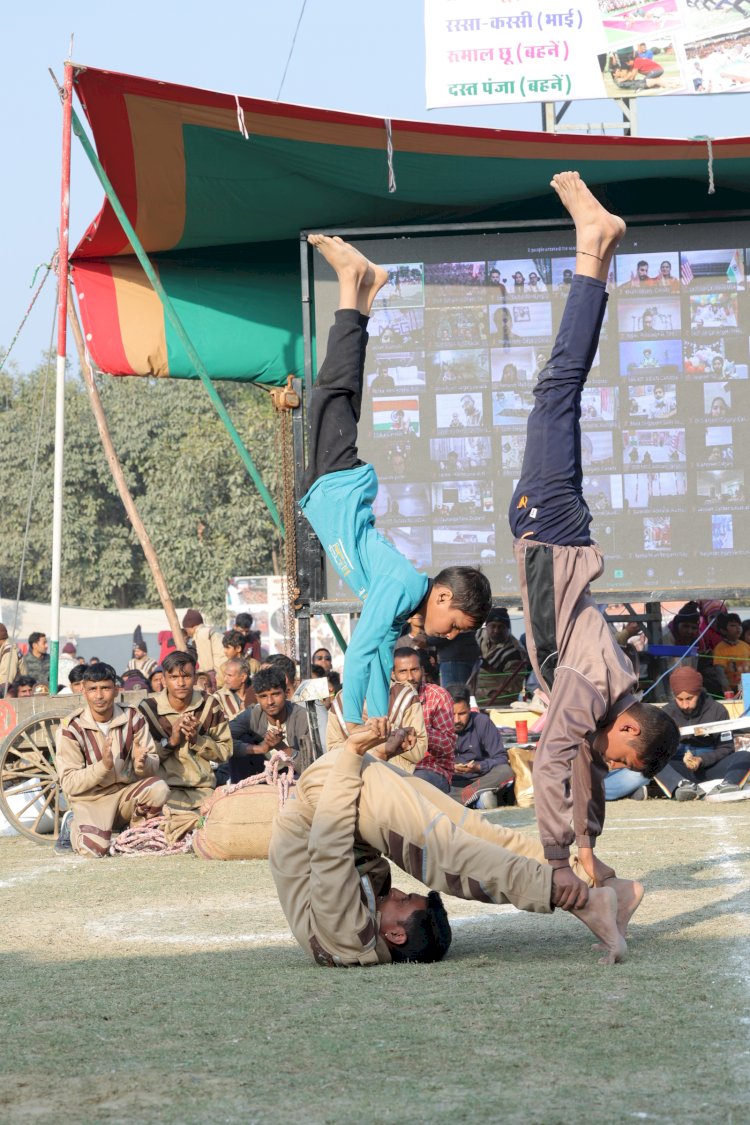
(340, 490)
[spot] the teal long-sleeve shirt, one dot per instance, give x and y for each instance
(339, 509)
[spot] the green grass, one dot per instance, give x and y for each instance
(168, 991)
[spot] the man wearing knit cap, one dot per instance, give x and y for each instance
(208, 647)
(702, 757)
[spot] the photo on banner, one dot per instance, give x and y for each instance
(480, 53)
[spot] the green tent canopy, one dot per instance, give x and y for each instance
(221, 215)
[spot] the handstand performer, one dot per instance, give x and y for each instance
(350, 813)
(594, 721)
(340, 490)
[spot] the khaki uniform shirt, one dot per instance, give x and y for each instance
(328, 901)
(11, 665)
(404, 710)
(79, 745)
(188, 766)
(210, 652)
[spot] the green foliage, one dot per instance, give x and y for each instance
(203, 513)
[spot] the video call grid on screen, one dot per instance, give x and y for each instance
(457, 339)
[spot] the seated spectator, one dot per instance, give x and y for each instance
(37, 658)
(243, 623)
(322, 657)
(23, 687)
(503, 662)
(203, 683)
(209, 651)
(237, 693)
(699, 758)
(413, 634)
(481, 768)
(233, 643)
(334, 684)
(272, 724)
(457, 658)
(404, 711)
(190, 732)
(107, 765)
(156, 681)
(11, 662)
(437, 712)
(141, 661)
(68, 659)
(288, 668)
(75, 680)
(731, 653)
(133, 680)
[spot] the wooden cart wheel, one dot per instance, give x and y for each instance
(27, 755)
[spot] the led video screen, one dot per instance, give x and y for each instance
(457, 339)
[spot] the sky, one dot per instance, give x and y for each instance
(359, 57)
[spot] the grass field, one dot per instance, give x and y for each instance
(168, 990)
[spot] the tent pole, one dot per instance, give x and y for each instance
(119, 478)
(174, 319)
(62, 321)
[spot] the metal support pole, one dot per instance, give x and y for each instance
(62, 322)
(174, 320)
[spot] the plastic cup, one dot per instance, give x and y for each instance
(522, 730)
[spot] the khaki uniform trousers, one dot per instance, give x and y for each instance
(96, 816)
(449, 848)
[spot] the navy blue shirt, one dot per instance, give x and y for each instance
(482, 743)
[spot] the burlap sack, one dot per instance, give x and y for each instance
(521, 759)
(238, 825)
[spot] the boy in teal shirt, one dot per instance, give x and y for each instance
(340, 490)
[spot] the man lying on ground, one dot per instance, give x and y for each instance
(594, 722)
(350, 813)
(340, 490)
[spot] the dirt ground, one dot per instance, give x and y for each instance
(168, 991)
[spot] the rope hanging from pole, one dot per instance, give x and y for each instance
(285, 399)
(47, 267)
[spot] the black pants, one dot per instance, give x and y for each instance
(336, 401)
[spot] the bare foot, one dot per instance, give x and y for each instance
(600, 915)
(352, 268)
(342, 258)
(598, 231)
(629, 894)
(373, 281)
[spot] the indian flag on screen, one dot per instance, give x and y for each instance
(396, 415)
(686, 272)
(735, 269)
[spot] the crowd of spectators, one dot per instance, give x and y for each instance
(215, 713)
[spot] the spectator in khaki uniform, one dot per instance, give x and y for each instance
(190, 733)
(437, 765)
(404, 710)
(209, 649)
(350, 813)
(237, 694)
(11, 662)
(107, 765)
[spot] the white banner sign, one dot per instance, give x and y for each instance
(486, 52)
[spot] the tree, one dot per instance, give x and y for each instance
(203, 512)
